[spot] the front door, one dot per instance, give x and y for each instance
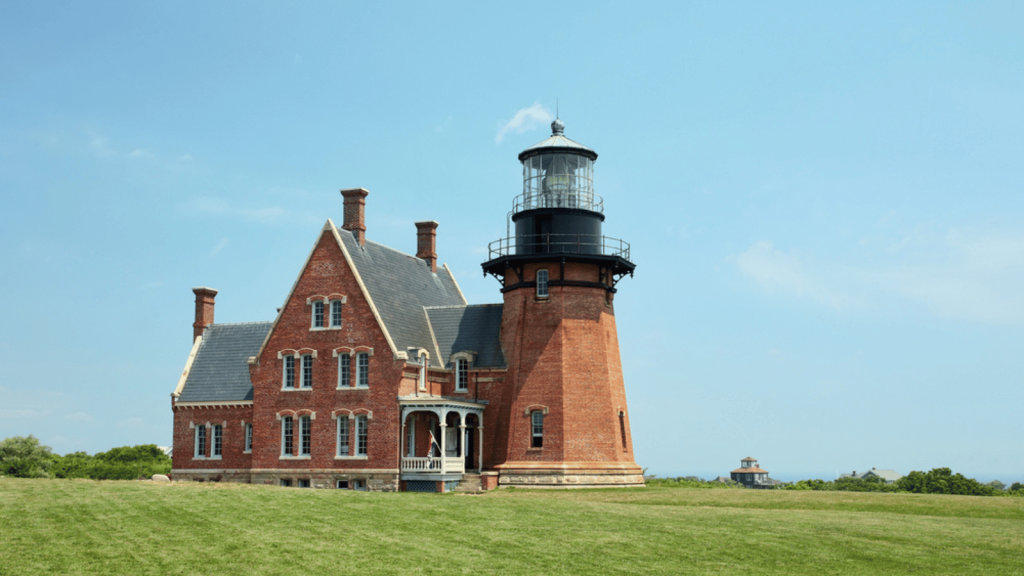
(469, 441)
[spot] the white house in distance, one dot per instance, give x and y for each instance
(889, 476)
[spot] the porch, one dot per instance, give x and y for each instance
(441, 438)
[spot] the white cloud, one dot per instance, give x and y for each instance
(133, 422)
(139, 153)
(13, 413)
(220, 246)
(782, 272)
(79, 417)
(185, 158)
(524, 120)
(977, 277)
(100, 147)
(217, 206)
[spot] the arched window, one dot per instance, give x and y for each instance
(286, 436)
(537, 429)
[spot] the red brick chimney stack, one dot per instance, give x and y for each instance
(355, 212)
(204, 310)
(426, 242)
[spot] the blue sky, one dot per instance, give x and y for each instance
(824, 203)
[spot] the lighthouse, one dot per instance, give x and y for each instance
(563, 419)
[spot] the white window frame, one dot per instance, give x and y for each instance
(288, 371)
(306, 380)
(217, 446)
(199, 442)
(305, 435)
(536, 429)
(344, 432)
(287, 435)
(362, 435)
(362, 370)
(335, 313)
(542, 283)
(317, 320)
(344, 370)
(461, 375)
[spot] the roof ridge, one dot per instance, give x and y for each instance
(463, 306)
(242, 323)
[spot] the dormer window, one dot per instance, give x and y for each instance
(461, 375)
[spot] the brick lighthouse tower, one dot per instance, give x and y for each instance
(563, 420)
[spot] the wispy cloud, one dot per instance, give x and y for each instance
(220, 246)
(443, 125)
(139, 153)
(79, 417)
(100, 146)
(217, 206)
(185, 158)
(17, 413)
(524, 120)
(977, 277)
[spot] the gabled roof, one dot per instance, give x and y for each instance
(469, 328)
(220, 371)
(400, 286)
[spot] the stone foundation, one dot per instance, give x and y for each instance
(569, 476)
(376, 481)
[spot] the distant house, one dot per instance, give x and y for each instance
(889, 476)
(750, 475)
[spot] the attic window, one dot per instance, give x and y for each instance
(318, 314)
(335, 313)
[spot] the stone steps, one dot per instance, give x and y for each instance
(470, 483)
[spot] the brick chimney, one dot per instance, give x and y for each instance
(426, 243)
(355, 213)
(204, 310)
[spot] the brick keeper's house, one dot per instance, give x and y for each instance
(377, 374)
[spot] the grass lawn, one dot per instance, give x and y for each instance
(112, 527)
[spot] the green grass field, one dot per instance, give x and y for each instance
(114, 527)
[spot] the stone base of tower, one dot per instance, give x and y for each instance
(569, 475)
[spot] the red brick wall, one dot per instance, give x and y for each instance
(563, 355)
(326, 273)
(234, 437)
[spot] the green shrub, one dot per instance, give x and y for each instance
(25, 457)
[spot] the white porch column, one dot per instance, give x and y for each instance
(401, 445)
(444, 452)
(480, 449)
(462, 440)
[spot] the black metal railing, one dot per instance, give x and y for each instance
(579, 199)
(559, 244)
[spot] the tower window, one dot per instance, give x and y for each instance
(335, 313)
(462, 374)
(318, 314)
(542, 283)
(537, 429)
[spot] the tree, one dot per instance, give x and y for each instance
(996, 484)
(25, 457)
(943, 481)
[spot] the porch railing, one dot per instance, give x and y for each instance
(454, 465)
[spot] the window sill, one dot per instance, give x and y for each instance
(466, 391)
(324, 328)
(305, 457)
(307, 389)
(246, 451)
(352, 388)
(531, 449)
(214, 458)
(351, 457)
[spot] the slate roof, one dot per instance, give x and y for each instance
(469, 328)
(220, 371)
(401, 286)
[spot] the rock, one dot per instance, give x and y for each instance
(160, 478)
